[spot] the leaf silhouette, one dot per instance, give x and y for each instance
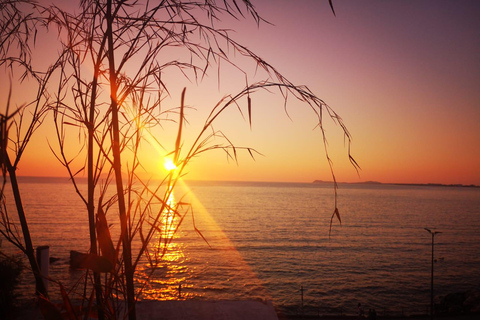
(250, 111)
(48, 309)
(180, 128)
(67, 304)
(337, 214)
(331, 6)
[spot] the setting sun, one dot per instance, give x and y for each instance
(169, 165)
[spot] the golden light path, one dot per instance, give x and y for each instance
(165, 271)
(182, 257)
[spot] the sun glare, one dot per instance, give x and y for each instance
(169, 165)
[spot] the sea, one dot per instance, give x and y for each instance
(277, 242)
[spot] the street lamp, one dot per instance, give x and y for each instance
(433, 233)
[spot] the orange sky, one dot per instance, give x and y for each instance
(403, 75)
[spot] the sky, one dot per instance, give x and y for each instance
(403, 75)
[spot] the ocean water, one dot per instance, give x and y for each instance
(273, 241)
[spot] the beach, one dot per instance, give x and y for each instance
(225, 310)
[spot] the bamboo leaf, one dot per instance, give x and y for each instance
(48, 309)
(71, 124)
(355, 164)
(251, 153)
(67, 304)
(223, 53)
(180, 128)
(338, 215)
(250, 111)
(201, 235)
(238, 8)
(331, 6)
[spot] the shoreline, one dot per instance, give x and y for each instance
(412, 317)
(224, 309)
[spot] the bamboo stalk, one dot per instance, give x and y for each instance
(29, 250)
(127, 251)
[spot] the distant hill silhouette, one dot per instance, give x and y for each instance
(403, 184)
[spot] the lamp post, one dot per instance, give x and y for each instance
(433, 233)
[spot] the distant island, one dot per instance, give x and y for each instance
(402, 184)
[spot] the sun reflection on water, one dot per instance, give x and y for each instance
(167, 233)
(165, 274)
(197, 262)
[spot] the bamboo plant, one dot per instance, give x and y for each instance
(18, 123)
(111, 94)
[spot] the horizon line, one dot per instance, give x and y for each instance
(317, 181)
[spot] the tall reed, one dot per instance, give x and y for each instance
(18, 31)
(107, 89)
